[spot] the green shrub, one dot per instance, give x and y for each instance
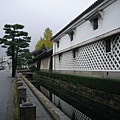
(33, 68)
(102, 84)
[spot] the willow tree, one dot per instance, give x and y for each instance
(15, 40)
(45, 40)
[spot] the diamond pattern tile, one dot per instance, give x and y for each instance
(68, 109)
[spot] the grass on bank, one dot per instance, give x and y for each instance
(109, 85)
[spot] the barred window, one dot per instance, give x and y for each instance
(57, 44)
(60, 56)
(108, 45)
(95, 23)
(71, 35)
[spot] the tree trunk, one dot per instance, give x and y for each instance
(13, 62)
(13, 56)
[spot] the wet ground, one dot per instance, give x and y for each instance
(6, 95)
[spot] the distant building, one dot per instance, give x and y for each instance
(91, 42)
(42, 58)
(4, 61)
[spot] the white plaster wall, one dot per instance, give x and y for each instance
(110, 21)
(67, 62)
(45, 64)
(64, 42)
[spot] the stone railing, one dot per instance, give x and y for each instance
(27, 110)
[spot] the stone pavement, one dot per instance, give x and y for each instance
(9, 112)
(6, 95)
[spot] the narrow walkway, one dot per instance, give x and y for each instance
(9, 112)
(6, 95)
(41, 113)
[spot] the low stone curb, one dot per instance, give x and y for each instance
(56, 113)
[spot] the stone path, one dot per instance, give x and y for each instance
(6, 95)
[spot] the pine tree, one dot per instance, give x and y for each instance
(15, 40)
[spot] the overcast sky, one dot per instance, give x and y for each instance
(37, 15)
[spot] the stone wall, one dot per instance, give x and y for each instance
(93, 103)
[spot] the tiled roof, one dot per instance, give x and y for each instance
(35, 52)
(42, 54)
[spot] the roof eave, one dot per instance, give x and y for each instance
(94, 5)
